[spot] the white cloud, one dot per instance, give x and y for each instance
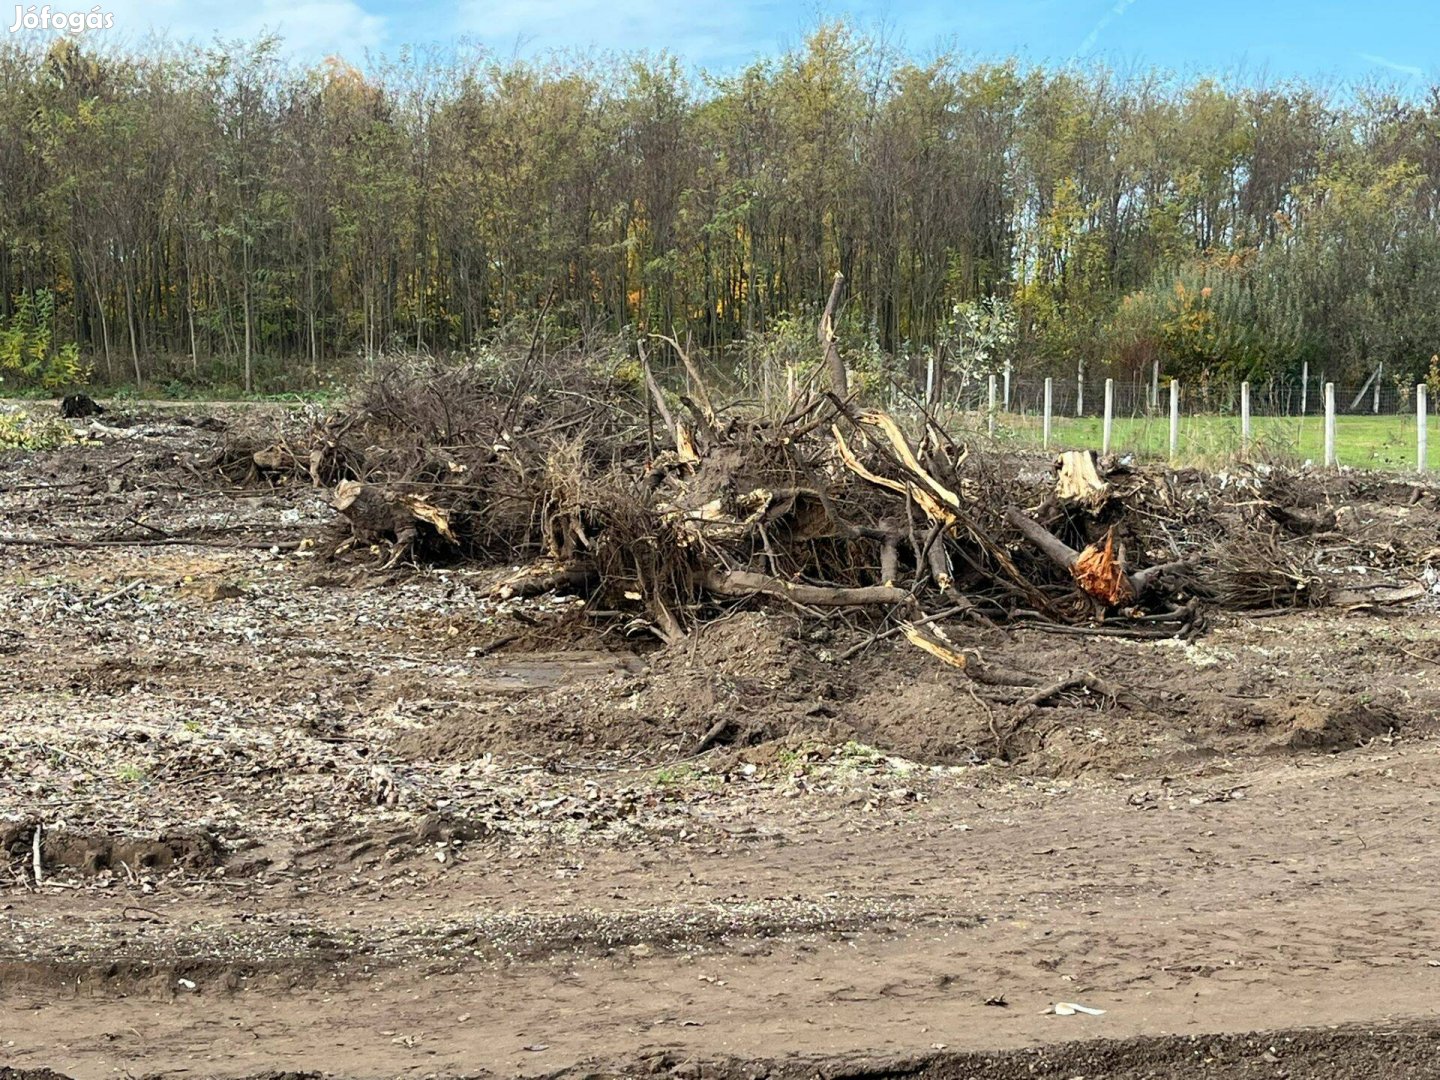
(1121, 6)
(1404, 69)
(712, 29)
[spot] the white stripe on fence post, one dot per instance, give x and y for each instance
(1109, 415)
(1304, 386)
(1422, 427)
(1049, 392)
(1007, 385)
(1174, 419)
(1379, 375)
(1244, 417)
(930, 379)
(990, 406)
(1079, 387)
(1329, 424)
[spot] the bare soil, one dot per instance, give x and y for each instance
(296, 818)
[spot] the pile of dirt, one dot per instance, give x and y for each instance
(739, 681)
(92, 851)
(757, 677)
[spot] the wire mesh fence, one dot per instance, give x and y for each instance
(1376, 422)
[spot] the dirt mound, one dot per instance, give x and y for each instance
(1304, 726)
(742, 680)
(91, 851)
(906, 704)
(756, 677)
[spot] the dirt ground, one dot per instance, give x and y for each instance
(294, 817)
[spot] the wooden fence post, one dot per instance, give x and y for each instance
(1304, 386)
(1049, 398)
(1422, 427)
(1244, 418)
(990, 405)
(1109, 416)
(1329, 425)
(1007, 386)
(1174, 419)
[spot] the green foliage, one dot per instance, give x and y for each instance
(19, 430)
(216, 218)
(1221, 319)
(28, 354)
(980, 335)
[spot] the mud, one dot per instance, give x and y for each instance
(91, 851)
(299, 818)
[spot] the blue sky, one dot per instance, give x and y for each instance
(1324, 39)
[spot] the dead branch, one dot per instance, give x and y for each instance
(572, 579)
(702, 408)
(834, 362)
(657, 398)
(737, 583)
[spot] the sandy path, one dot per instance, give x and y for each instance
(1308, 901)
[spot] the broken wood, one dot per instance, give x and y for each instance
(377, 513)
(1100, 574)
(834, 362)
(1078, 483)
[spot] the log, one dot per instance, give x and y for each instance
(574, 579)
(1054, 549)
(740, 583)
(1301, 522)
(1066, 557)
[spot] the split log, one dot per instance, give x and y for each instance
(1078, 482)
(378, 514)
(834, 362)
(1098, 573)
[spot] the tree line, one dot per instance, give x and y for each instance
(220, 215)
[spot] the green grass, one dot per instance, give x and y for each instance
(1374, 442)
